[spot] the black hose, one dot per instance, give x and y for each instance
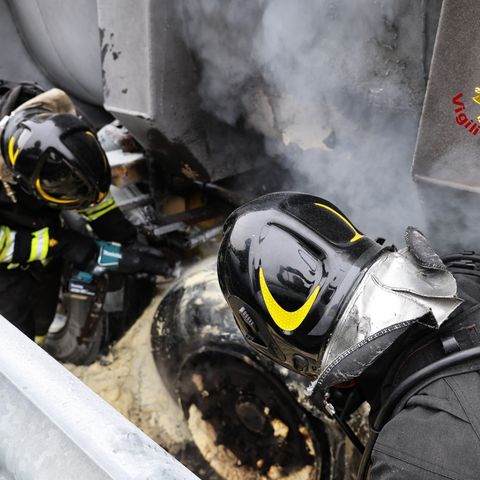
(409, 384)
(350, 433)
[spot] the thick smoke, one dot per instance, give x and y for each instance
(335, 87)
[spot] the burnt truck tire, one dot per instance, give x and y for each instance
(245, 423)
(244, 420)
(66, 343)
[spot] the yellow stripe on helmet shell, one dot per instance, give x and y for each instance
(12, 153)
(357, 235)
(287, 321)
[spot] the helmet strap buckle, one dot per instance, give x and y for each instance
(327, 406)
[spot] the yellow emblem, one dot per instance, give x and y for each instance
(12, 153)
(357, 235)
(287, 321)
(476, 98)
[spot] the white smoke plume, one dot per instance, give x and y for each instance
(335, 87)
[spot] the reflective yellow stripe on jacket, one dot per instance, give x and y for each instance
(7, 243)
(105, 206)
(39, 248)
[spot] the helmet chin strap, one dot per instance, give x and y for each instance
(329, 409)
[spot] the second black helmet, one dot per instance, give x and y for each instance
(56, 158)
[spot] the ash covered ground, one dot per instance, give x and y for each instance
(127, 379)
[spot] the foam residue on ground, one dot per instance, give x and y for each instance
(128, 380)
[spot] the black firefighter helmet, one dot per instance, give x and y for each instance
(56, 158)
(287, 266)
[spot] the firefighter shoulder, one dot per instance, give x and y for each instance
(311, 292)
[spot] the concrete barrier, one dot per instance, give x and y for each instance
(52, 426)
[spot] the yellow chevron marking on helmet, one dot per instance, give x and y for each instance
(287, 321)
(88, 132)
(357, 235)
(12, 153)
(48, 197)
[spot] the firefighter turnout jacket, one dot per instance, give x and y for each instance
(434, 431)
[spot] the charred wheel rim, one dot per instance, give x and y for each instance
(245, 422)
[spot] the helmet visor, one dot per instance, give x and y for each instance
(58, 183)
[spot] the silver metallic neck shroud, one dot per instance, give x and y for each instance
(394, 293)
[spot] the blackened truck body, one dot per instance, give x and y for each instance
(131, 70)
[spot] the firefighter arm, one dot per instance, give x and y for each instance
(108, 222)
(54, 100)
(18, 247)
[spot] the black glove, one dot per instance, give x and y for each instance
(140, 258)
(73, 246)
